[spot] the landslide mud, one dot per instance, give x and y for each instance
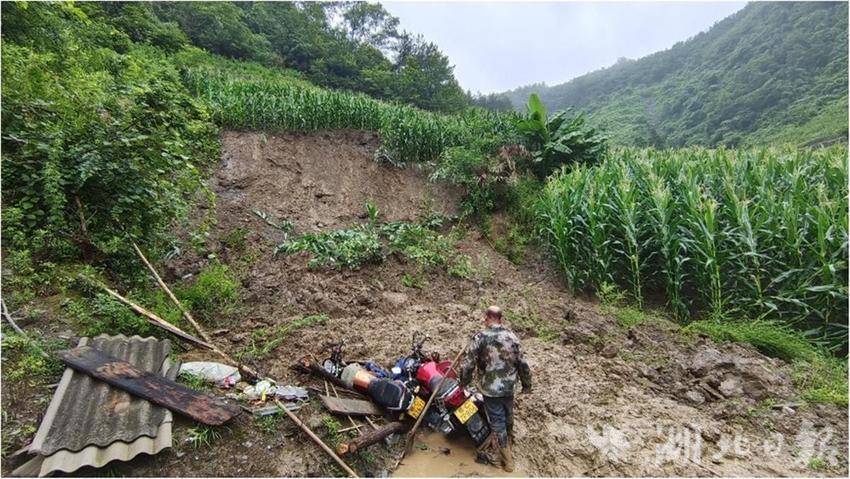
(607, 401)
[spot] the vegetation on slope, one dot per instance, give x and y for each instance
(110, 121)
(354, 46)
(241, 95)
(771, 72)
(736, 234)
(101, 141)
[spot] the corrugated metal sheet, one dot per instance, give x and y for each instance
(91, 423)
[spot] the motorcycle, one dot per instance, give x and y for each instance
(408, 385)
(454, 408)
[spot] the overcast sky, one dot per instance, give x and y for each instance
(499, 46)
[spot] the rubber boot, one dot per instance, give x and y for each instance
(507, 457)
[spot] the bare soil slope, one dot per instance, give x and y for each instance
(607, 400)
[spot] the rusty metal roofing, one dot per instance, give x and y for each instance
(91, 423)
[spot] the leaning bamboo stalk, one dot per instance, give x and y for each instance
(316, 439)
(9, 319)
(188, 316)
(412, 434)
(164, 287)
(151, 317)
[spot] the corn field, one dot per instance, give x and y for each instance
(747, 234)
(252, 100)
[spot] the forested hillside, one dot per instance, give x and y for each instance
(354, 46)
(770, 73)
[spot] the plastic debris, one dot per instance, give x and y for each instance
(219, 374)
(266, 389)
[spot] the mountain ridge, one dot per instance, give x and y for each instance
(771, 72)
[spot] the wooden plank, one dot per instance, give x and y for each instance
(157, 389)
(350, 407)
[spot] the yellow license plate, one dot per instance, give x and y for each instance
(417, 407)
(466, 411)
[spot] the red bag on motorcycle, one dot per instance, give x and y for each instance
(429, 377)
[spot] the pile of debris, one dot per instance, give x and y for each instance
(114, 402)
(117, 395)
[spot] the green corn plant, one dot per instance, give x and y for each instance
(626, 207)
(665, 228)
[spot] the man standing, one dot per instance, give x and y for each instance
(496, 354)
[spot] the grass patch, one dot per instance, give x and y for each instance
(215, 292)
(266, 340)
(414, 281)
(614, 304)
(533, 324)
(268, 424)
(24, 358)
(822, 380)
(769, 337)
(512, 244)
(192, 381)
(236, 238)
(202, 436)
(819, 376)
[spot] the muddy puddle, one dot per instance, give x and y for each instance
(435, 455)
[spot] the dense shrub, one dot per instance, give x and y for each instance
(99, 143)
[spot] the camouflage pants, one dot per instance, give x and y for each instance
(500, 413)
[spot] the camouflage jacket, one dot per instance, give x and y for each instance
(497, 355)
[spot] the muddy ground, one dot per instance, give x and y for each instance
(607, 400)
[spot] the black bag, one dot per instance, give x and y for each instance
(392, 395)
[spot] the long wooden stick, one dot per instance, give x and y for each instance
(186, 314)
(8, 318)
(409, 445)
(164, 287)
(316, 439)
(151, 317)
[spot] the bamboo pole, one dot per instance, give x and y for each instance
(151, 317)
(316, 439)
(186, 314)
(164, 287)
(353, 424)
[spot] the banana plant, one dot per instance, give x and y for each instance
(559, 140)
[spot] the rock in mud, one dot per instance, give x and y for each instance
(735, 375)
(609, 351)
(395, 298)
(731, 386)
(695, 397)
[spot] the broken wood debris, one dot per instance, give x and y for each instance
(316, 439)
(8, 318)
(351, 407)
(151, 317)
(248, 372)
(156, 389)
(371, 437)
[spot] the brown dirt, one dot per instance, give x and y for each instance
(607, 401)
